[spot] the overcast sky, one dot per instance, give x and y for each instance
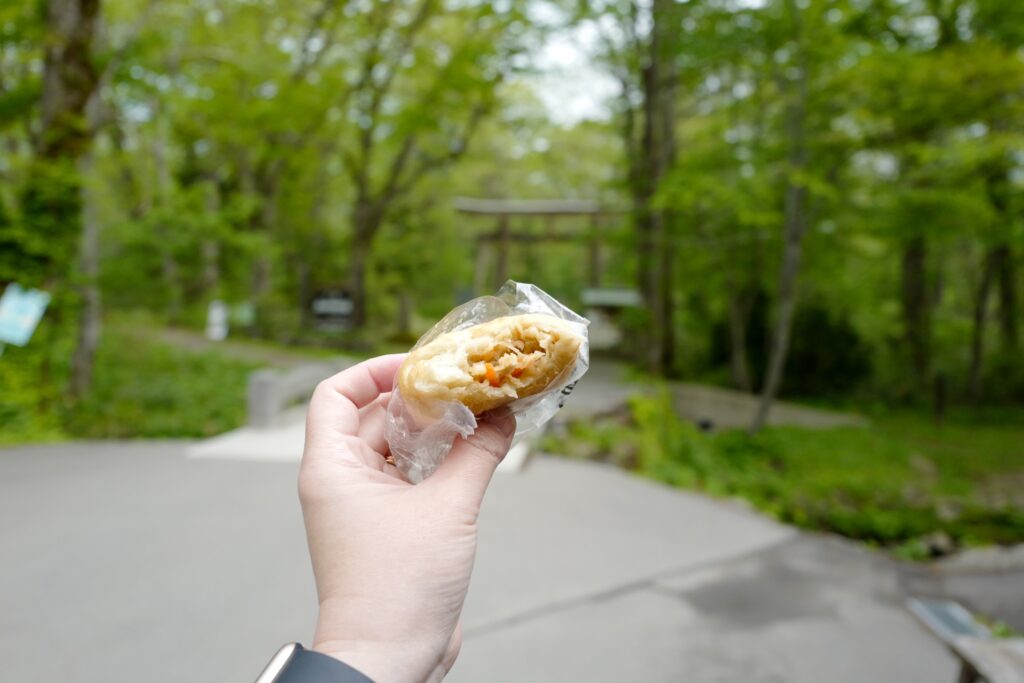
(570, 86)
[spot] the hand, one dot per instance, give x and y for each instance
(392, 561)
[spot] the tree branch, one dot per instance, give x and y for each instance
(430, 163)
(308, 61)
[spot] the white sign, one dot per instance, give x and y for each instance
(20, 313)
(217, 321)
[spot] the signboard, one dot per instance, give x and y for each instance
(612, 298)
(20, 313)
(217, 321)
(332, 309)
(243, 314)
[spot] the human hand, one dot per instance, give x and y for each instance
(392, 561)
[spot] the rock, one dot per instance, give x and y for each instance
(939, 543)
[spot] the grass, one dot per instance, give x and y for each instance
(149, 382)
(895, 483)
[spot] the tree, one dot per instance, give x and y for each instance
(643, 54)
(51, 202)
(795, 212)
(409, 126)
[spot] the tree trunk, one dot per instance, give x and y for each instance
(796, 197)
(359, 257)
(595, 267)
(1006, 275)
(89, 315)
(262, 269)
(978, 331)
(405, 308)
(172, 283)
(666, 298)
(51, 203)
(210, 249)
(738, 366)
(164, 232)
(502, 248)
(654, 253)
(647, 228)
(52, 206)
(999, 189)
(367, 218)
(662, 55)
(480, 266)
(69, 77)
(647, 223)
(796, 219)
(917, 309)
(131, 193)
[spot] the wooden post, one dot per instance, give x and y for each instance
(596, 266)
(480, 269)
(503, 247)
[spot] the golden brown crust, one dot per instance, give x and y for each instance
(491, 364)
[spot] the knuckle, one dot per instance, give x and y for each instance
(492, 441)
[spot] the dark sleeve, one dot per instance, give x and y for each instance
(306, 666)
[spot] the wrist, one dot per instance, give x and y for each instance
(385, 662)
(378, 638)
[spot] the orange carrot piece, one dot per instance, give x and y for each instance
(492, 376)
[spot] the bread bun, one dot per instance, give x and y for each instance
(491, 364)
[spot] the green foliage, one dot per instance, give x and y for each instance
(888, 484)
(143, 389)
(39, 244)
(1000, 629)
(29, 409)
(262, 151)
(147, 389)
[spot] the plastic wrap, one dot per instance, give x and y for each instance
(419, 445)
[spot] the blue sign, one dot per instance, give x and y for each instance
(20, 312)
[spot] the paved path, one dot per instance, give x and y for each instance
(186, 561)
(607, 386)
(137, 559)
(265, 353)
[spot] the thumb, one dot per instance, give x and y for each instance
(467, 470)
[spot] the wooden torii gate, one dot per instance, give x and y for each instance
(503, 237)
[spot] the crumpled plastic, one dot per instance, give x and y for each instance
(419, 445)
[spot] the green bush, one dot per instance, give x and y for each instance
(889, 484)
(30, 407)
(147, 389)
(141, 389)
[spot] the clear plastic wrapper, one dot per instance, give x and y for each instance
(419, 444)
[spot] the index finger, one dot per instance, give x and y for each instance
(336, 402)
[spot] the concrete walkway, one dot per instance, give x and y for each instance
(607, 386)
(133, 558)
(187, 561)
(587, 574)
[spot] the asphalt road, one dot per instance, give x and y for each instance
(132, 562)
